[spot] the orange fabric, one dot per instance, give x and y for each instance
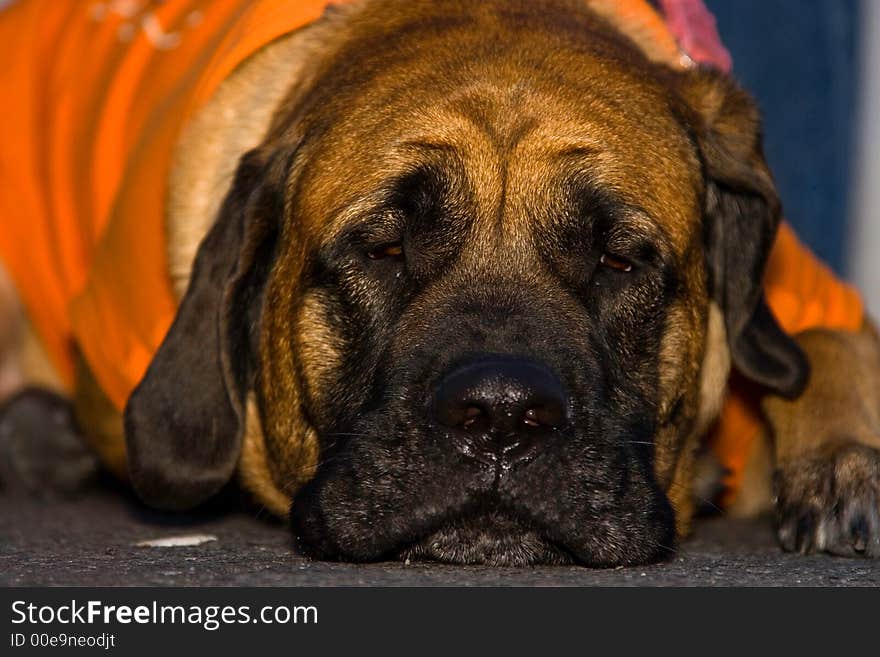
(95, 96)
(803, 294)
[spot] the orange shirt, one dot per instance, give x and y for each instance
(95, 96)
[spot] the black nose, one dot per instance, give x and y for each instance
(500, 406)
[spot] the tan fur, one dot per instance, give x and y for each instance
(840, 406)
(36, 366)
(100, 422)
(253, 470)
(233, 121)
(756, 491)
(320, 350)
(714, 371)
(291, 445)
(841, 402)
(681, 461)
(11, 319)
(713, 374)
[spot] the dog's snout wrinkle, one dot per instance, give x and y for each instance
(500, 407)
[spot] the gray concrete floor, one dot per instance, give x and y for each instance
(91, 542)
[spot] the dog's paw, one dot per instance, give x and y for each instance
(41, 452)
(829, 501)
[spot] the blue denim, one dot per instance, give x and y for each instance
(799, 59)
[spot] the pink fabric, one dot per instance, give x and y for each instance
(696, 32)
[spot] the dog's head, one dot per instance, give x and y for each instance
(468, 281)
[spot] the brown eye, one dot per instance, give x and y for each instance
(616, 263)
(386, 251)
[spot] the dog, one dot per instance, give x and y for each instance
(450, 280)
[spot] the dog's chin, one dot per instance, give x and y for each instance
(490, 538)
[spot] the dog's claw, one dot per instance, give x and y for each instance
(859, 532)
(806, 530)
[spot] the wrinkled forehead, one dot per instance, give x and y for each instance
(512, 144)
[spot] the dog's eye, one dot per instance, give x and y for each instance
(616, 263)
(386, 251)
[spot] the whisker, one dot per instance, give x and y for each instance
(709, 503)
(699, 498)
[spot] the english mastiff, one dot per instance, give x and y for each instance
(469, 281)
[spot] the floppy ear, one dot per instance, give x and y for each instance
(184, 421)
(741, 216)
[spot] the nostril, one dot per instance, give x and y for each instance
(471, 417)
(549, 416)
(530, 418)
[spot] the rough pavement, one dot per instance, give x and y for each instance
(91, 542)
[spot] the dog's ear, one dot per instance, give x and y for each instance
(184, 421)
(741, 216)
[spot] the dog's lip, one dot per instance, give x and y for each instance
(488, 509)
(499, 463)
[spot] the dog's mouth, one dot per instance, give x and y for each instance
(574, 502)
(487, 536)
